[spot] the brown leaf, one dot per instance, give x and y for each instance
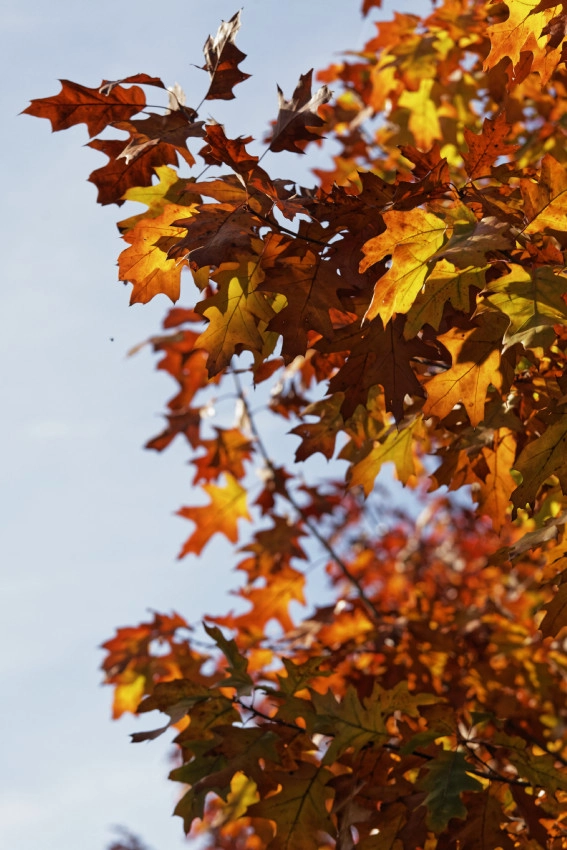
(488, 146)
(76, 104)
(221, 61)
(122, 173)
(296, 116)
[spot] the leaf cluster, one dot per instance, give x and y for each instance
(411, 311)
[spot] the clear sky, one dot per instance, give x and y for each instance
(88, 538)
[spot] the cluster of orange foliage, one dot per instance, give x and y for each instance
(410, 310)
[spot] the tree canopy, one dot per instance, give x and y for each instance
(409, 310)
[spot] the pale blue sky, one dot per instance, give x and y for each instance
(88, 533)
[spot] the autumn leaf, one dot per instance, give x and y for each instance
(486, 147)
(400, 447)
(169, 189)
(147, 265)
(522, 32)
(298, 117)
(555, 613)
(222, 57)
(238, 316)
(475, 367)
(546, 199)
(446, 283)
(533, 301)
(97, 108)
(411, 239)
(115, 179)
(423, 114)
(227, 506)
(447, 777)
(299, 810)
(541, 458)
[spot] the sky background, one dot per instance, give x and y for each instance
(89, 539)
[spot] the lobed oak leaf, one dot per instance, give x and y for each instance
(446, 283)
(555, 613)
(222, 57)
(412, 238)
(227, 452)
(533, 300)
(423, 122)
(377, 355)
(271, 602)
(482, 829)
(76, 104)
(400, 447)
(523, 34)
(537, 767)
(446, 779)
(141, 79)
(228, 504)
(470, 242)
(545, 199)
(487, 146)
(173, 128)
(120, 174)
(541, 458)
(298, 118)
(237, 663)
(475, 367)
(169, 189)
(320, 436)
(145, 264)
(497, 484)
(299, 810)
(238, 316)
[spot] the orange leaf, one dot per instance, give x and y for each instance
(227, 506)
(146, 264)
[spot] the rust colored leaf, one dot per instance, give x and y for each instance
(227, 505)
(222, 58)
(488, 146)
(76, 104)
(121, 173)
(298, 118)
(555, 613)
(475, 367)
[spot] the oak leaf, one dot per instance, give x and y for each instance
(298, 117)
(145, 264)
(555, 613)
(487, 146)
(238, 316)
(400, 447)
(222, 57)
(220, 516)
(97, 108)
(412, 238)
(299, 809)
(541, 458)
(475, 367)
(533, 300)
(545, 199)
(446, 779)
(120, 175)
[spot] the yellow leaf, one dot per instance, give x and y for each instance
(145, 264)
(412, 238)
(399, 448)
(423, 120)
(227, 505)
(476, 365)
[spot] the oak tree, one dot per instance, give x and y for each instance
(411, 311)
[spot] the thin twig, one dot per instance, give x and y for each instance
(374, 613)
